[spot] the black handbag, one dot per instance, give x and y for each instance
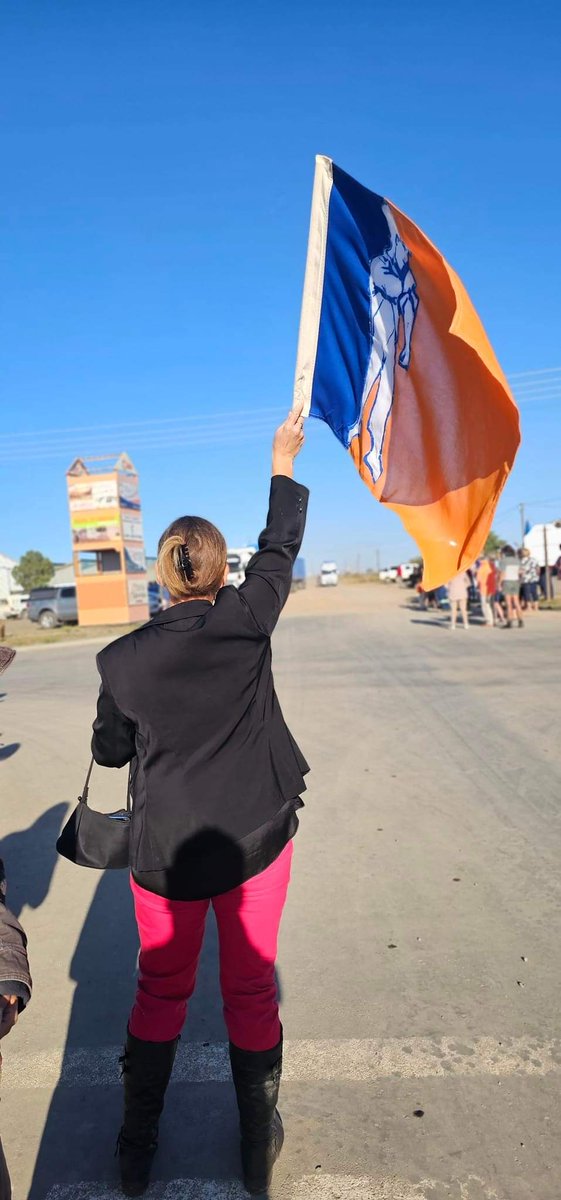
(95, 839)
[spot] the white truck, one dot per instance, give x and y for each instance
(237, 560)
(538, 536)
(407, 570)
(329, 575)
(403, 571)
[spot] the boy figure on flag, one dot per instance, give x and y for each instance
(393, 298)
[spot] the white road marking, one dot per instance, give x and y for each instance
(176, 1189)
(310, 1187)
(353, 1060)
(387, 1187)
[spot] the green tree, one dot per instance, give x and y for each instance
(493, 544)
(33, 570)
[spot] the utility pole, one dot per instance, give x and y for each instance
(377, 560)
(522, 523)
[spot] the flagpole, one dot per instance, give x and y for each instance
(522, 523)
(313, 286)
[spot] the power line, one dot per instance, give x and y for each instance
(160, 439)
(536, 380)
(542, 503)
(138, 434)
(184, 440)
(539, 393)
(210, 416)
(527, 390)
(130, 434)
(534, 401)
(542, 385)
(541, 371)
(206, 428)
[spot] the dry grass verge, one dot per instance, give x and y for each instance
(27, 633)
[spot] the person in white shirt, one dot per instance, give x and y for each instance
(509, 568)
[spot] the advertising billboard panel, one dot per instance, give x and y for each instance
(135, 560)
(137, 590)
(83, 496)
(93, 529)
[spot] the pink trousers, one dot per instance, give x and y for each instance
(171, 936)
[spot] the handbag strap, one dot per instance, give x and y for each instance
(86, 790)
(84, 796)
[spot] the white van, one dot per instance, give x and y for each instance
(14, 605)
(329, 575)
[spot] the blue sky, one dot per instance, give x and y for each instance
(158, 162)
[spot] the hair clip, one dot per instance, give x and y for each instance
(185, 562)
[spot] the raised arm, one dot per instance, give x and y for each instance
(269, 572)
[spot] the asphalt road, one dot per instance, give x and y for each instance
(419, 963)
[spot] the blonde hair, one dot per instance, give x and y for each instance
(191, 558)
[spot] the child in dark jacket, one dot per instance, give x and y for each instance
(15, 990)
(15, 980)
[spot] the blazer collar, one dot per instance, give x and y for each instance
(181, 612)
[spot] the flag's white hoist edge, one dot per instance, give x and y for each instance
(313, 285)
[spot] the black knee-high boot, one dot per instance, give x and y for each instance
(257, 1076)
(147, 1067)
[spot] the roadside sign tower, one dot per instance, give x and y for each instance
(107, 541)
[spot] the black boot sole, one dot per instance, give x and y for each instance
(135, 1187)
(258, 1184)
(135, 1175)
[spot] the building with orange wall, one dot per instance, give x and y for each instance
(107, 541)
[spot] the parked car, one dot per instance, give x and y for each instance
(51, 606)
(329, 575)
(22, 604)
(156, 598)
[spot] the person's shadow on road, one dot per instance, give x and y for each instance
(199, 1130)
(29, 858)
(8, 750)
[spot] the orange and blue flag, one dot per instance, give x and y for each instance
(393, 357)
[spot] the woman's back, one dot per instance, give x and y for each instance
(192, 695)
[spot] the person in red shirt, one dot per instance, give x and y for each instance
(483, 573)
(488, 582)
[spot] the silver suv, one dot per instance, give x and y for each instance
(52, 606)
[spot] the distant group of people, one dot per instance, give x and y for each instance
(499, 584)
(506, 587)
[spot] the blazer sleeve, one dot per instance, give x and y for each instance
(113, 741)
(269, 573)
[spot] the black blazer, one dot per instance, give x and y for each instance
(191, 695)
